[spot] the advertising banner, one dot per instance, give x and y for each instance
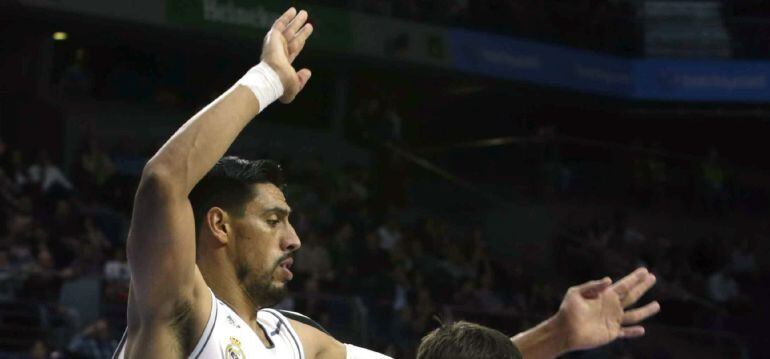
(502, 56)
(586, 71)
(249, 18)
(702, 80)
(394, 39)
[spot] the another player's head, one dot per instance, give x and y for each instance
(463, 340)
(242, 218)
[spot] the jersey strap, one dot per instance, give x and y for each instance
(303, 319)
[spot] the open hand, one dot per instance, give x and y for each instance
(282, 44)
(594, 313)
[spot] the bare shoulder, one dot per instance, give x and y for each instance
(173, 335)
(316, 343)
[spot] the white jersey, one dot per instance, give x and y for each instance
(227, 336)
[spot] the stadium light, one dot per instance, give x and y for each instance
(60, 36)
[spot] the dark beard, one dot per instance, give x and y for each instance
(261, 290)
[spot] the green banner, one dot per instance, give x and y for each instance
(400, 40)
(332, 30)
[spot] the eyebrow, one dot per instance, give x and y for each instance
(281, 211)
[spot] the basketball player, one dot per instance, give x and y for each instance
(210, 244)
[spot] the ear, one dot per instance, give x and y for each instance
(218, 222)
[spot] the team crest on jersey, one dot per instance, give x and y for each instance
(233, 350)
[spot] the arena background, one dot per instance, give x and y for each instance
(466, 159)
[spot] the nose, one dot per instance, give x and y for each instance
(291, 241)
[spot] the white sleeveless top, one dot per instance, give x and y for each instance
(227, 336)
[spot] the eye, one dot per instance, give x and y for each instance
(273, 222)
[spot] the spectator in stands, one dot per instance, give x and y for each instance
(94, 342)
(402, 288)
(722, 287)
(43, 279)
(389, 234)
(425, 310)
(373, 261)
(116, 268)
(341, 254)
(66, 221)
(358, 186)
(455, 263)
(39, 350)
(97, 167)
(402, 332)
(47, 175)
(486, 297)
(466, 296)
(311, 301)
(313, 260)
(391, 122)
(22, 259)
(94, 236)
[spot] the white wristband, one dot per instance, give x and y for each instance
(264, 82)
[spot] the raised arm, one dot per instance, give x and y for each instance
(591, 315)
(166, 283)
(194, 149)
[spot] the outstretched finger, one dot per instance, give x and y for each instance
(296, 24)
(283, 21)
(298, 42)
(637, 315)
(632, 332)
(593, 288)
(638, 291)
(304, 77)
(623, 286)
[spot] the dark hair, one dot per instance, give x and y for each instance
(464, 340)
(229, 185)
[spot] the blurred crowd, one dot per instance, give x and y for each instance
(377, 266)
(366, 270)
(57, 227)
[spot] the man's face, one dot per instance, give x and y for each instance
(264, 246)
